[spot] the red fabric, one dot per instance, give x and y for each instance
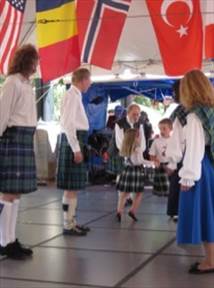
(106, 36)
(59, 59)
(209, 41)
(180, 52)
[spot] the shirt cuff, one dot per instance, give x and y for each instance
(187, 182)
(76, 148)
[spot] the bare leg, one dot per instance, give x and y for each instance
(121, 202)
(209, 258)
(136, 202)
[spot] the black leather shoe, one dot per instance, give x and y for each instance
(13, 251)
(131, 214)
(83, 228)
(74, 232)
(25, 250)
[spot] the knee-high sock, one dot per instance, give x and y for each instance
(5, 217)
(69, 212)
(13, 220)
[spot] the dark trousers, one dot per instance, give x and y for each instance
(174, 191)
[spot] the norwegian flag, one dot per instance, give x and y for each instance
(100, 24)
(11, 12)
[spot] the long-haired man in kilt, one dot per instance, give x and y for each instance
(158, 155)
(131, 121)
(72, 169)
(18, 119)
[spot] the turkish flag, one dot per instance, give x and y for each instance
(100, 24)
(209, 30)
(178, 28)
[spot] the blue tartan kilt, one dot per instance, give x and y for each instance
(71, 176)
(17, 161)
(131, 180)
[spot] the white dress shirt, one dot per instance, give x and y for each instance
(119, 135)
(176, 145)
(17, 103)
(73, 117)
(195, 140)
(158, 149)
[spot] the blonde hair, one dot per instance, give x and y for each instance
(196, 89)
(80, 74)
(129, 142)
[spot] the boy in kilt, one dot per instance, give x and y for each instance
(18, 120)
(72, 169)
(131, 121)
(158, 156)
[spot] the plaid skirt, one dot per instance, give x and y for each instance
(161, 182)
(17, 161)
(115, 164)
(71, 176)
(131, 180)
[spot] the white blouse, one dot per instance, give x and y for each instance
(176, 145)
(119, 135)
(73, 117)
(17, 103)
(194, 151)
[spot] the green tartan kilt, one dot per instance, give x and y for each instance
(161, 182)
(131, 180)
(71, 176)
(17, 161)
(116, 164)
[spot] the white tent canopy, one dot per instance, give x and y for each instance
(137, 50)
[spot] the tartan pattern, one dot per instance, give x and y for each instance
(161, 182)
(71, 176)
(180, 113)
(206, 115)
(17, 161)
(116, 164)
(131, 179)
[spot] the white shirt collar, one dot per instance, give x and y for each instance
(76, 90)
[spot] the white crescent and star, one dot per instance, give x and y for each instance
(164, 8)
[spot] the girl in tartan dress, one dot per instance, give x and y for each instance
(18, 120)
(132, 177)
(157, 154)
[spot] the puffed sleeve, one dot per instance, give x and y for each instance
(194, 153)
(69, 108)
(119, 137)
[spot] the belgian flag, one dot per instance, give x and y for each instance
(57, 37)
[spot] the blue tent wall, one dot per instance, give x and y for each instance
(101, 92)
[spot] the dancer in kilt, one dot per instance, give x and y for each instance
(132, 120)
(18, 119)
(196, 204)
(132, 177)
(72, 168)
(174, 153)
(157, 154)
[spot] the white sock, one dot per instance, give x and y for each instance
(5, 216)
(69, 212)
(13, 220)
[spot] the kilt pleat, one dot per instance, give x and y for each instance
(131, 180)
(71, 176)
(17, 161)
(161, 181)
